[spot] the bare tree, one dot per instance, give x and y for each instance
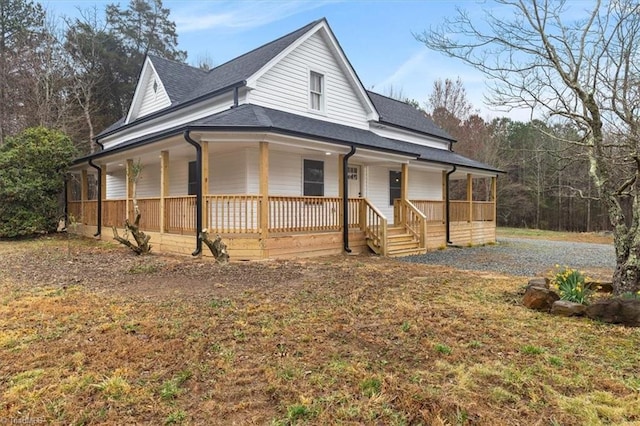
(451, 96)
(583, 70)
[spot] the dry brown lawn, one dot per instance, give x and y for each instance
(90, 334)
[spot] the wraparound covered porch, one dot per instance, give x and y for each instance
(272, 223)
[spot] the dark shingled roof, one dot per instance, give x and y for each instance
(257, 118)
(184, 83)
(241, 68)
(178, 79)
(401, 114)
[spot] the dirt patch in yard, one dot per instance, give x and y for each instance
(91, 334)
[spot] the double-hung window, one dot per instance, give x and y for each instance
(316, 91)
(313, 184)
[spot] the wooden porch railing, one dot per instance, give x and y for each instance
(90, 212)
(459, 211)
(230, 213)
(483, 211)
(304, 214)
(408, 215)
(354, 206)
(239, 214)
(434, 210)
(149, 213)
(374, 225)
(114, 212)
(84, 212)
(180, 214)
(74, 211)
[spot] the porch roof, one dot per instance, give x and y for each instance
(256, 118)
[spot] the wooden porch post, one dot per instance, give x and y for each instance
(84, 194)
(399, 215)
(103, 185)
(494, 197)
(205, 184)
(264, 190)
(164, 189)
(129, 191)
(340, 187)
(404, 183)
(470, 195)
(444, 196)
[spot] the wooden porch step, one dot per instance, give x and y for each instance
(411, 244)
(400, 238)
(395, 230)
(406, 252)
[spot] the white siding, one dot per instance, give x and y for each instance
(408, 136)
(285, 173)
(227, 173)
(378, 190)
(149, 181)
(286, 85)
(116, 184)
(152, 100)
(179, 176)
(425, 185)
(253, 171)
(203, 109)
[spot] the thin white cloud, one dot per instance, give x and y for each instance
(237, 15)
(408, 68)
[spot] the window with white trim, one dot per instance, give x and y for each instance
(316, 91)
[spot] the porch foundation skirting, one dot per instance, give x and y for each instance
(246, 248)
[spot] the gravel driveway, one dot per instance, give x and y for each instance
(526, 257)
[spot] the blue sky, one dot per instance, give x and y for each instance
(375, 35)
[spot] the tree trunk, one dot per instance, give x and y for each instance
(142, 245)
(626, 278)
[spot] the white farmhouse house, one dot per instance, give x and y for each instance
(283, 153)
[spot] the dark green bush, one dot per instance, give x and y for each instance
(32, 169)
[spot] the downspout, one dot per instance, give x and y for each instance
(345, 199)
(198, 148)
(235, 96)
(99, 169)
(99, 144)
(446, 206)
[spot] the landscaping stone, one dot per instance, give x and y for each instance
(600, 287)
(616, 311)
(539, 298)
(539, 282)
(566, 308)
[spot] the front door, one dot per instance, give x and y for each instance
(353, 177)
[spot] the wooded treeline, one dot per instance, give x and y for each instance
(78, 75)
(546, 184)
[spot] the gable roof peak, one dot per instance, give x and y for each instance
(293, 35)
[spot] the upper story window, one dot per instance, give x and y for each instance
(316, 91)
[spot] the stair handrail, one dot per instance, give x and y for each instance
(410, 214)
(374, 225)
